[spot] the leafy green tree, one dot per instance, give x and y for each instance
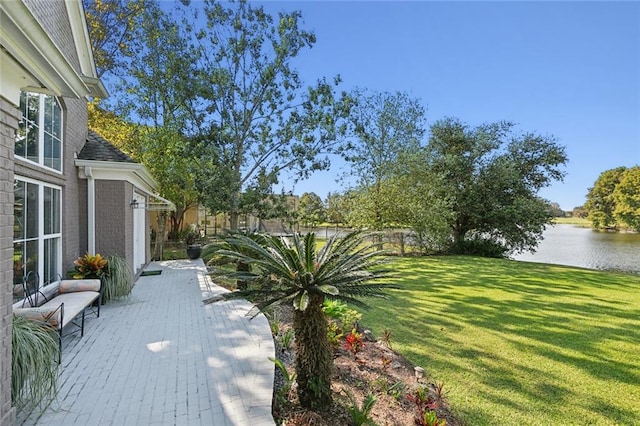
(601, 202)
(156, 55)
(311, 209)
(253, 113)
(419, 205)
(295, 271)
(490, 176)
(627, 198)
(111, 24)
(385, 129)
(336, 211)
(580, 212)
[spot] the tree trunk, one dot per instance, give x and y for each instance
(233, 220)
(314, 355)
(158, 246)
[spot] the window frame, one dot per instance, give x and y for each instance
(44, 133)
(44, 240)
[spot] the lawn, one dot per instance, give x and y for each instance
(519, 343)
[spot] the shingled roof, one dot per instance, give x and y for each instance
(99, 149)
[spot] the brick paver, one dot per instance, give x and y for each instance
(161, 357)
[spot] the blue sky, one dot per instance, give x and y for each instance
(567, 69)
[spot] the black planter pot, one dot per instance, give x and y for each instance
(193, 251)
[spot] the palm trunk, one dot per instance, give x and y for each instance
(314, 356)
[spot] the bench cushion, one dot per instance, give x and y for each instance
(72, 286)
(50, 314)
(74, 303)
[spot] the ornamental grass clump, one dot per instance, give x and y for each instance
(117, 280)
(294, 270)
(34, 366)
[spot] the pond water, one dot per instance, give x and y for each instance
(584, 247)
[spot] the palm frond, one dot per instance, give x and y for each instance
(283, 269)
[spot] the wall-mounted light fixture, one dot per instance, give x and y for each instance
(134, 204)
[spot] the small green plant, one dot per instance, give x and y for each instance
(430, 418)
(117, 279)
(274, 324)
(287, 338)
(192, 237)
(386, 337)
(334, 333)
(34, 363)
(282, 396)
(353, 342)
(339, 311)
(361, 415)
(396, 390)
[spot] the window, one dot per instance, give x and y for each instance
(39, 136)
(37, 233)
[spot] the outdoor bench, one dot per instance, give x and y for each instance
(67, 308)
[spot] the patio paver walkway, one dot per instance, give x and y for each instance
(161, 357)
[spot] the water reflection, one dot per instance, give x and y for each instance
(574, 246)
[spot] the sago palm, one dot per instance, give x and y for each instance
(293, 269)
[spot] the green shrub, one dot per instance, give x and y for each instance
(479, 247)
(339, 311)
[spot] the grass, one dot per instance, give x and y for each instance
(578, 221)
(519, 343)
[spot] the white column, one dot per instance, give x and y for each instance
(91, 211)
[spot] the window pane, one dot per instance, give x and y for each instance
(18, 210)
(48, 114)
(51, 211)
(18, 271)
(32, 108)
(57, 121)
(32, 142)
(57, 155)
(51, 260)
(48, 150)
(32, 211)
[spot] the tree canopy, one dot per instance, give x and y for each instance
(490, 177)
(614, 199)
(253, 112)
(385, 129)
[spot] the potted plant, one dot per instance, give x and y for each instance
(90, 266)
(192, 239)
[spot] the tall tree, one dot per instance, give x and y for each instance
(141, 42)
(111, 24)
(336, 210)
(490, 177)
(627, 198)
(253, 111)
(311, 209)
(385, 128)
(601, 202)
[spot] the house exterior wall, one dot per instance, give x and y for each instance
(74, 207)
(53, 16)
(114, 219)
(9, 116)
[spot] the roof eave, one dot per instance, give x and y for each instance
(22, 36)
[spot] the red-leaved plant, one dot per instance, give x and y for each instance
(353, 342)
